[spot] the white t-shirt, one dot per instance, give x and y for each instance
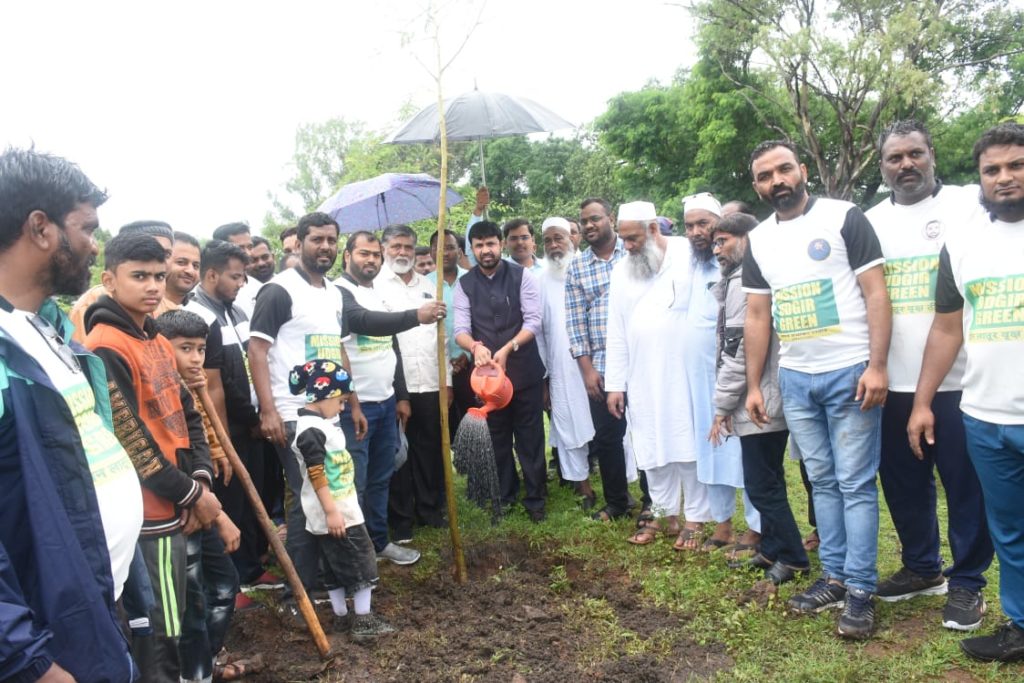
(302, 322)
(117, 485)
(911, 237)
(981, 270)
(418, 345)
(338, 469)
(372, 359)
(809, 265)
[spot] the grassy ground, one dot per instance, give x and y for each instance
(715, 606)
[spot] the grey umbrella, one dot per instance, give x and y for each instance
(477, 115)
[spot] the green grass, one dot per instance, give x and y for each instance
(763, 641)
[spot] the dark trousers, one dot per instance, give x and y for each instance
(764, 479)
(909, 487)
(523, 421)
(212, 584)
(424, 434)
(811, 519)
(272, 492)
(606, 446)
(157, 653)
(463, 401)
(237, 506)
(301, 545)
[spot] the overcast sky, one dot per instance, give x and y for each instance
(187, 111)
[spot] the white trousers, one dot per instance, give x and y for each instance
(574, 463)
(676, 485)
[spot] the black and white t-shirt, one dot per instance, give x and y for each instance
(302, 322)
(911, 237)
(809, 266)
(981, 270)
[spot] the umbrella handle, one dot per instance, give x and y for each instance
(483, 169)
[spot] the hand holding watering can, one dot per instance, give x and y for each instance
(492, 387)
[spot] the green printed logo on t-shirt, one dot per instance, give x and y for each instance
(911, 284)
(341, 474)
(107, 459)
(367, 344)
(805, 310)
(998, 308)
(326, 346)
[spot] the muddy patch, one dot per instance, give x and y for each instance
(523, 615)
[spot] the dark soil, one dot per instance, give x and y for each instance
(522, 617)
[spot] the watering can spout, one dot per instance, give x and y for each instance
(492, 387)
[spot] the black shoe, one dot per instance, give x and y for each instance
(1005, 645)
(757, 561)
(964, 609)
(906, 584)
(588, 502)
(342, 624)
(368, 627)
(608, 514)
(780, 573)
(857, 621)
(822, 595)
(537, 516)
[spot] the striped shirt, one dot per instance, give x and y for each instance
(586, 303)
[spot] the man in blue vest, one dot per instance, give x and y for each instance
(497, 319)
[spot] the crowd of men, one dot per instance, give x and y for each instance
(867, 345)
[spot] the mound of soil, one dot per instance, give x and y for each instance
(523, 616)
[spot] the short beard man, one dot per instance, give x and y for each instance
(645, 265)
(68, 274)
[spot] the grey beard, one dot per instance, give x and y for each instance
(645, 265)
(701, 257)
(400, 266)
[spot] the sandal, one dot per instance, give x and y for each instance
(713, 544)
(607, 514)
(646, 517)
(646, 534)
(737, 552)
(688, 539)
(232, 671)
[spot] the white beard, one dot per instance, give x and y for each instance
(645, 265)
(400, 266)
(558, 266)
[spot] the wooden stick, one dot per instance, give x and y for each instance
(269, 529)
(442, 356)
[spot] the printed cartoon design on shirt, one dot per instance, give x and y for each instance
(911, 283)
(805, 310)
(998, 304)
(933, 229)
(327, 346)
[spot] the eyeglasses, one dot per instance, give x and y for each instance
(56, 343)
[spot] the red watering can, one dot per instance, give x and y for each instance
(492, 387)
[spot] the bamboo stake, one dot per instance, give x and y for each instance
(442, 359)
(305, 606)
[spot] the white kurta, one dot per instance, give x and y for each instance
(571, 426)
(647, 323)
(715, 464)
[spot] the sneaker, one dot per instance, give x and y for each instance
(369, 627)
(244, 602)
(537, 516)
(342, 624)
(1005, 645)
(906, 584)
(822, 595)
(396, 554)
(266, 581)
(964, 609)
(858, 618)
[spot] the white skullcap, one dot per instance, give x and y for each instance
(702, 200)
(638, 211)
(555, 222)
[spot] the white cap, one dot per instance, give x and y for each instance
(702, 200)
(555, 222)
(638, 211)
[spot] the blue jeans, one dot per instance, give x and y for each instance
(374, 460)
(997, 452)
(840, 445)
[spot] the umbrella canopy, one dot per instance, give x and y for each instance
(387, 199)
(477, 115)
